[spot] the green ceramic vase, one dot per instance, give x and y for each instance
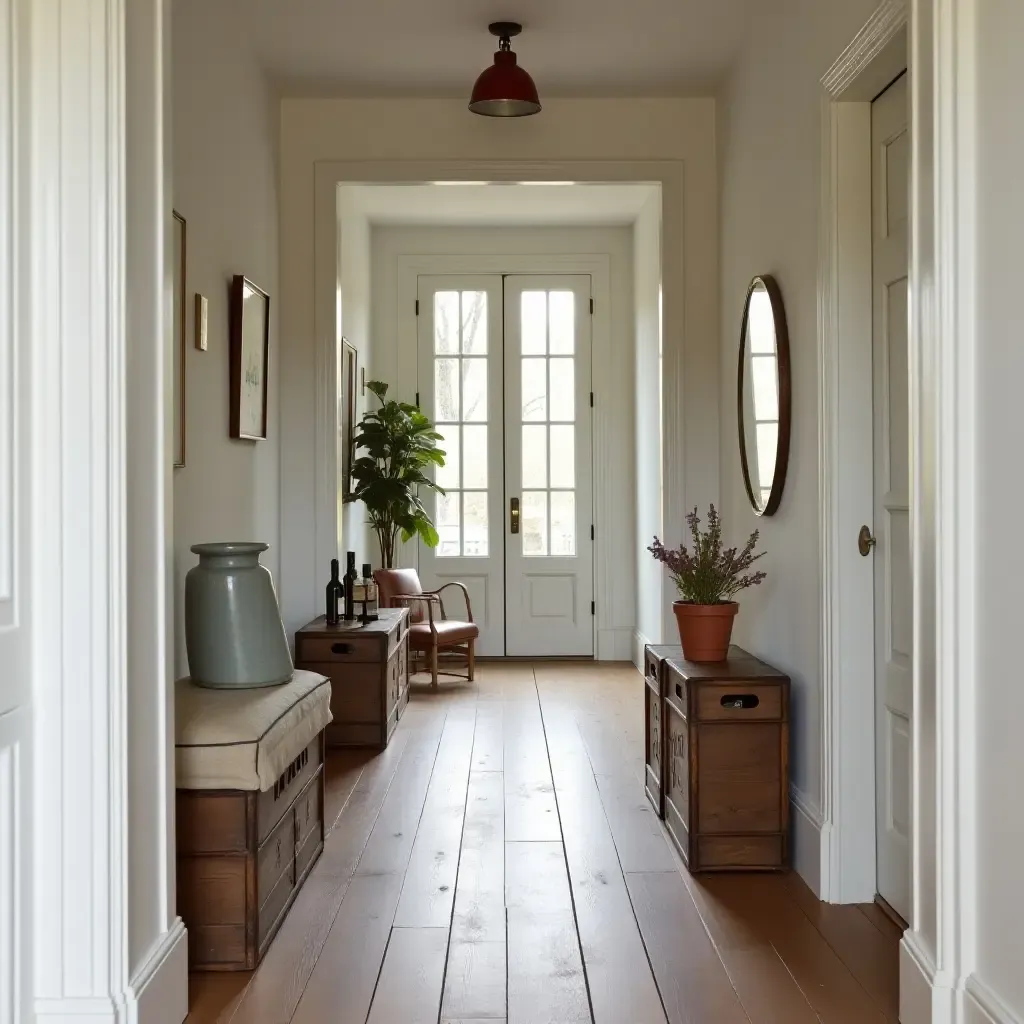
(233, 630)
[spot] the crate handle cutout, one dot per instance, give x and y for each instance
(679, 691)
(740, 701)
(341, 648)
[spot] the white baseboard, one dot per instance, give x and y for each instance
(983, 1006)
(807, 839)
(82, 1010)
(614, 644)
(917, 982)
(639, 643)
(158, 994)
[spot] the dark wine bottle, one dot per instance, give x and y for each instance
(350, 584)
(335, 594)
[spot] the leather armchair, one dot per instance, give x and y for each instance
(430, 629)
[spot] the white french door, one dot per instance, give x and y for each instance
(549, 561)
(504, 371)
(460, 371)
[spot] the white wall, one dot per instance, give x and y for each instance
(653, 593)
(770, 165)
(225, 186)
(996, 205)
(354, 282)
(319, 131)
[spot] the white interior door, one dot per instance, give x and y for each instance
(460, 375)
(893, 580)
(549, 562)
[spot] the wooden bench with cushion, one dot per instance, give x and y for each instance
(250, 811)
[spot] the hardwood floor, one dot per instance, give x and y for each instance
(499, 863)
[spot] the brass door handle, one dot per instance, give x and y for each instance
(514, 515)
(865, 542)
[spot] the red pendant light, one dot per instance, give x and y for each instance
(504, 89)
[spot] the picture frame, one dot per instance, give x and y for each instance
(347, 417)
(249, 325)
(178, 331)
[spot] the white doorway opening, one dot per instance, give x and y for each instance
(513, 244)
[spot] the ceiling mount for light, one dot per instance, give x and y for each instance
(504, 89)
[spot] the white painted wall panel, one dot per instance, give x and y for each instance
(769, 140)
(225, 186)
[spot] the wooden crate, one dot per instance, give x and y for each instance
(726, 773)
(242, 858)
(369, 671)
(654, 721)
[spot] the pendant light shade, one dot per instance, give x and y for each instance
(504, 89)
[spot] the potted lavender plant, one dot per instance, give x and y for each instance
(707, 580)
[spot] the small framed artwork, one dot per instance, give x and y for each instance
(249, 317)
(349, 358)
(178, 333)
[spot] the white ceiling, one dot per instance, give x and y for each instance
(497, 205)
(437, 47)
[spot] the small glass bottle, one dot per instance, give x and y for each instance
(350, 582)
(370, 593)
(335, 594)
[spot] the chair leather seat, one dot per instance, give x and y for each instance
(448, 632)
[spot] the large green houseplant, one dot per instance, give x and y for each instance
(399, 446)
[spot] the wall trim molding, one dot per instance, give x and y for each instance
(103, 812)
(917, 983)
(983, 1006)
(639, 643)
(158, 992)
(846, 481)
(806, 838)
(873, 38)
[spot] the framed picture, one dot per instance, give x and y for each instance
(347, 419)
(249, 317)
(178, 334)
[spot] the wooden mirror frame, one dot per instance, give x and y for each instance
(785, 394)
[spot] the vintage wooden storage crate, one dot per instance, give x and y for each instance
(726, 770)
(368, 667)
(654, 719)
(242, 858)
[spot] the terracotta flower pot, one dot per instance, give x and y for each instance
(705, 629)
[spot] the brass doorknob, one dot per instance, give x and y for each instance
(865, 542)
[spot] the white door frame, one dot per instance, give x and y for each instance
(90, 163)
(937, 953)
(846, 482)
(684, 467)
(607, 426)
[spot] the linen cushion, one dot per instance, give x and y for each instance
(245, 739)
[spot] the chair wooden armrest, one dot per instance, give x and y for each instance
(430, 599)
(465, 594)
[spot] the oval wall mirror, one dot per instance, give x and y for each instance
(764, 395)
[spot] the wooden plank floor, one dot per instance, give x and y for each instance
(499, 863)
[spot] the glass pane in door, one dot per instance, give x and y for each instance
(461, 414)
(548, 416)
